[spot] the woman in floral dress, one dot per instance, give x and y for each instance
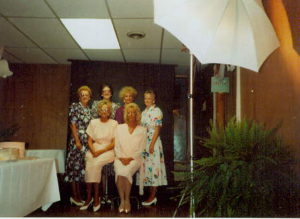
(79, 118)
(154, 164)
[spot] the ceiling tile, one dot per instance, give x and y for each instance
(170, 41)
(62, 55)
(131, 8)
(152, 31)
(47, 33)
(175, 56)
(79, 8)
(31, 55)
(142, 55)
(24, 8)
(104, 55)
(11, 37)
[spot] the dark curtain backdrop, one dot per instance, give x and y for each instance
(141, 76)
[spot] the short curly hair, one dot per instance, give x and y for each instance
(102, 103)
(150, 91)
(127, 89)
(86, 88)
(137, 110)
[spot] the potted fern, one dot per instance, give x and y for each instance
(249, 173)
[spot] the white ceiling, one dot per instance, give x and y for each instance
(31, 32)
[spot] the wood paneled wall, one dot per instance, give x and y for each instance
(36, 98)
(273, 95)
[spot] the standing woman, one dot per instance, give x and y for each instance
(127, 95)
(153, 157)
(130, 142)
(79, 118)
(101, 143)
(106, 94)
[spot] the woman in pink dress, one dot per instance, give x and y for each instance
(101, 143)
(130, 142)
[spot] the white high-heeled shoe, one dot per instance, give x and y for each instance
(153, 202)
(85, 207)
(73, 201)
(127, 207)
(96, 208)
(121, 208)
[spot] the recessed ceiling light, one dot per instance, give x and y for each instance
(92, 33)
(136, 35)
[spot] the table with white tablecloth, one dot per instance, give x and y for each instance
(26, 185)
(57, 154)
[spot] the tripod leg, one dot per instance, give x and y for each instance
(179, 204)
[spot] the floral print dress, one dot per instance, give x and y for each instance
(154, 164)
(75, 164)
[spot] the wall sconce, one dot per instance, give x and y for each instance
(4, 68)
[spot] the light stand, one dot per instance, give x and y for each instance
(191, 138)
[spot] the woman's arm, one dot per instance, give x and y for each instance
(75, 135)
(91, 145)
(154, 138)
(125, 160)
(107, 148)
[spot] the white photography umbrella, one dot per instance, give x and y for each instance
(235, 32)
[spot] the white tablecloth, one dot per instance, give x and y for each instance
(58, 155)
(26, 185)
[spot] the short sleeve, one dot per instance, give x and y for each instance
(114, 126)
(73, 113)
(94, 110)
(157, 117)
(90, 130)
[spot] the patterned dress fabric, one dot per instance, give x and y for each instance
(95, 113)
(75, 165)
(102, 133)
(154, 164)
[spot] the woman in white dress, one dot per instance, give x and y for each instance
(101, 144)
(153, 156)
(130, 142)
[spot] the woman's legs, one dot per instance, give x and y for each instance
(96, 194)
(75, 190)
(127, 194)
(152, 193)
(121, 191)
(89, 193)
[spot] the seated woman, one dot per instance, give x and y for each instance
(101, 143)
(130, 142)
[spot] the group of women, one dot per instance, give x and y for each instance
(107, 132)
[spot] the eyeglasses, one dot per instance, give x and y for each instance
(84, 95)
(105, 111)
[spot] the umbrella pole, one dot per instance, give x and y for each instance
(191, 131)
